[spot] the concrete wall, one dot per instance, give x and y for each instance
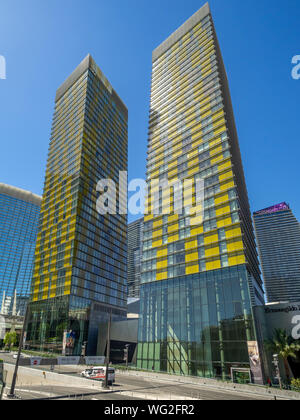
(125, 331)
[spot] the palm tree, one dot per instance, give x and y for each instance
(285, 347)
(10, 339)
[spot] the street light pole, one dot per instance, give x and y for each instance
(107, 352)
(14, 380)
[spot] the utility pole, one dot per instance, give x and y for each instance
(14, 380)
(107, 352)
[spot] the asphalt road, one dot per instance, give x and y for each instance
(173, 388)
(66, 393)
(69, 393)
(135, 388)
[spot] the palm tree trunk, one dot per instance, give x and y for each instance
(287, 369)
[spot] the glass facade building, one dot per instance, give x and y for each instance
(135, 249)
(278, 238)
(200, 275)
(19, 216)
(80, 266)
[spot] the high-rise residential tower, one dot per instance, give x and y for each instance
(200, 278)
(80, 262)
(19, 216)
(135, 248)
(278, 238)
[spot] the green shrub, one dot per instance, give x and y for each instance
(296, 384)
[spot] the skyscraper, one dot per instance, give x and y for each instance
(80, 262)
(278, 238)
(19, 215)
(199, 277)
(135, 245)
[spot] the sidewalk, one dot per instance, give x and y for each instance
(217, 385)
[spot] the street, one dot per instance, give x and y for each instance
(39, 383)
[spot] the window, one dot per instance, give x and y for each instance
(223, 247)
(200, 240)
(201, 252)
(222, 234)
(179, 246)
(224, 261)
(235, 218)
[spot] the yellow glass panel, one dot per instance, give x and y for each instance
(191, 244)
(216, 160)
(212, 252)
(226, 175)
(173, 173)
(233, 232)
(197, 231)
(216, 150)
(157, 244)
(216, 123)
(225, 165)
(224, 222)
(193, 162)
(173, 218)
(162, 264)
(219, 114)
(220, 130)
(196, 221)
(222, 210)
(232, 261)
(227, 186)
(213, 265)
(173, 238)
(157, 233)
(211, 238)
(193, 171)
(191, 257)
(67, 290)
(241, 259)
(162, 252)
(162, 276)
(194, 269)
(235, 246)
(221, 199)
(173, 228)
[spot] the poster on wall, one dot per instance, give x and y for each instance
(69, 342)
(255, 362)
(35, 361)
(94, 360)
(69, 360)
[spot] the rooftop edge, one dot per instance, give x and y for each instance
(273, 209)
(20, 194)
(89, 63)
(181, 31)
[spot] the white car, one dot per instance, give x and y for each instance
(86, 373)
(15, 356)
(98, 373)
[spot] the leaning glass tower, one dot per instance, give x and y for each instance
(80, 268)
(200, 278)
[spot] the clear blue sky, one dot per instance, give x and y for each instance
(43, 41)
